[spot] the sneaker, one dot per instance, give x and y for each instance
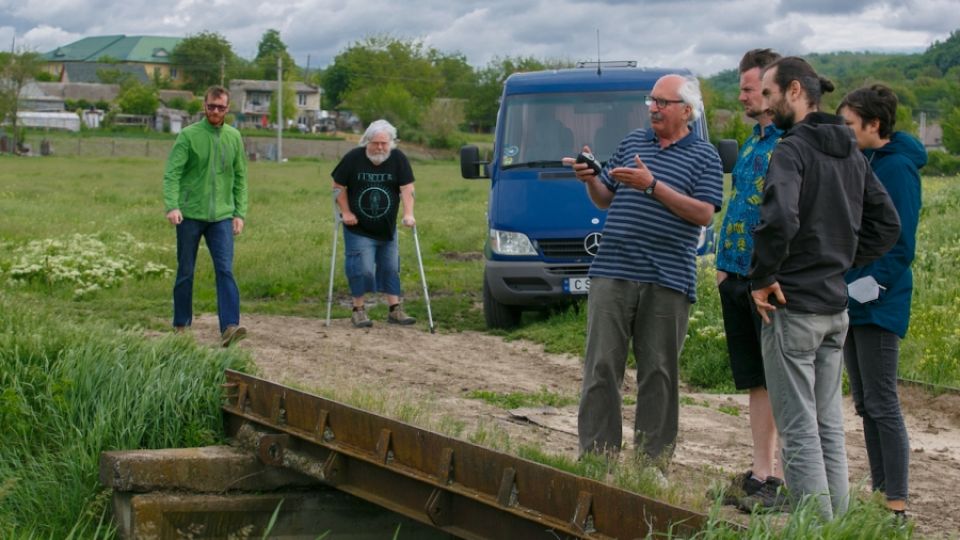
(360, 319)
(771, 496)
(741, 485)
(398, 316)
(232, 334)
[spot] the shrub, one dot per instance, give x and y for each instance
(942, 164)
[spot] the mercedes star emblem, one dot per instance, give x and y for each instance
(591, 244)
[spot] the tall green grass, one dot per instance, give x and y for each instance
(72, 390)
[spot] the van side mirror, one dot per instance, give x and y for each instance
(470, 163)
(728, 150)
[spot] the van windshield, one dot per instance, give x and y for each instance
(540, 129)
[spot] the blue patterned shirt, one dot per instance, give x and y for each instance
(643, 241)
(735, 244)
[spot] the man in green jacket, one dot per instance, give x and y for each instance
(205, 194)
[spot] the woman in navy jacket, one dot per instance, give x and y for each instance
(872, 349)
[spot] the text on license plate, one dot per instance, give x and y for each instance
(579, 285)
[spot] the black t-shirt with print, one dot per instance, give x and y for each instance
(373, 191)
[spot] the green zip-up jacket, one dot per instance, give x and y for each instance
(206, 173)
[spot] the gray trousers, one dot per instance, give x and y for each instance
(655, 318)
(803, 361)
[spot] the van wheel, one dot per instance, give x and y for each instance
(498, 315)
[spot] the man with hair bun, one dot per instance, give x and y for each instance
(823, 212)
(879, 320)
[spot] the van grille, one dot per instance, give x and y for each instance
(564, 248)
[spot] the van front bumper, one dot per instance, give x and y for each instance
(532, 283)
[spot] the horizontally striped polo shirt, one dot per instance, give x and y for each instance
(643, 241)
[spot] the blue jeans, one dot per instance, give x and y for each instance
(803, 363)
(219, 237)
(871, 355)
(371, 265)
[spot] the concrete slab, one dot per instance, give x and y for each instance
(303, 515)
(209, 469)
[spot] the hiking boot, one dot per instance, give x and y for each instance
(360, 319)
(398, 316)
(771, 496)
(741, 485)
(232, 334)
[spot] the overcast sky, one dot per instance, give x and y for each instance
(706, 36)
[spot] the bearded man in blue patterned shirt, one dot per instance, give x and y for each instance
(660, 187)
(741, 321)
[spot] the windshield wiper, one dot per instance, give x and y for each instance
(542, 164)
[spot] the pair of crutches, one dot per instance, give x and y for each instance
(337, 221)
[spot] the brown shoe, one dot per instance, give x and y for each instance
(179, 329)
(232, 334)
(398, 316)
(360, 319)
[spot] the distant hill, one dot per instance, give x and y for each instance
(927, 81)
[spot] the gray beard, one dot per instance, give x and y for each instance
(377, 159)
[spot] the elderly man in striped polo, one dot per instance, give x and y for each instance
(660, 187)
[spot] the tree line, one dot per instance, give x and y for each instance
(432, 95)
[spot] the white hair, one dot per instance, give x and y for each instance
(690, 94)
(379, 126)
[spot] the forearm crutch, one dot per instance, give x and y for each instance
(333, 255)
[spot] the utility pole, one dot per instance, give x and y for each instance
(280, 119)
(223, 65)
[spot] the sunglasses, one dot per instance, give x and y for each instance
(214, 107)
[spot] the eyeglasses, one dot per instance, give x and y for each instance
(661, 102)
(214, 107)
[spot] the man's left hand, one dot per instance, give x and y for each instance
(237, 226)
(761, 297)
(638, 177)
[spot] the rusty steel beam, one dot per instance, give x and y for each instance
(461, 488)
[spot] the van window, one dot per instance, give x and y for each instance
(547, 127)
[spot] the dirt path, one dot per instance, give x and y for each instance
(440, 369)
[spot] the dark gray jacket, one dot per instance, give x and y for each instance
(823, 212)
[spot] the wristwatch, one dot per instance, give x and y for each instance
(649, 189)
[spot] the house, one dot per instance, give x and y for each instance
(250, 101)
(144, 57)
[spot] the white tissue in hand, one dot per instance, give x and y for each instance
(865, 289)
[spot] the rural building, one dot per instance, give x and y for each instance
(145, 57)
(250, 100)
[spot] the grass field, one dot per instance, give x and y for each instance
(86, 262)
(59, 214)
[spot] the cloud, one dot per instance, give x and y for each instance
(704, 35)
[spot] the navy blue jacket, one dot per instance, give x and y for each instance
(897, 165)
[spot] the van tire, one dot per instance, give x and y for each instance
(498, 315)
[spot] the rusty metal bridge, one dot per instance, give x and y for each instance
(452, 485)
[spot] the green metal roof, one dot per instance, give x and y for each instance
(146, 49)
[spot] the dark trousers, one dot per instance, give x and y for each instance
(219, 237)
(871, 354)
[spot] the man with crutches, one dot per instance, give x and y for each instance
(373, 180)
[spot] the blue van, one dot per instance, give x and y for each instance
(543, 230)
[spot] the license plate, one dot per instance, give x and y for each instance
(579, 285)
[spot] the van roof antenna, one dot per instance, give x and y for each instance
(598, 52)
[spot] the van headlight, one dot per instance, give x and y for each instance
(510, 243)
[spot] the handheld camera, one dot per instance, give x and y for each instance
(589, 159)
